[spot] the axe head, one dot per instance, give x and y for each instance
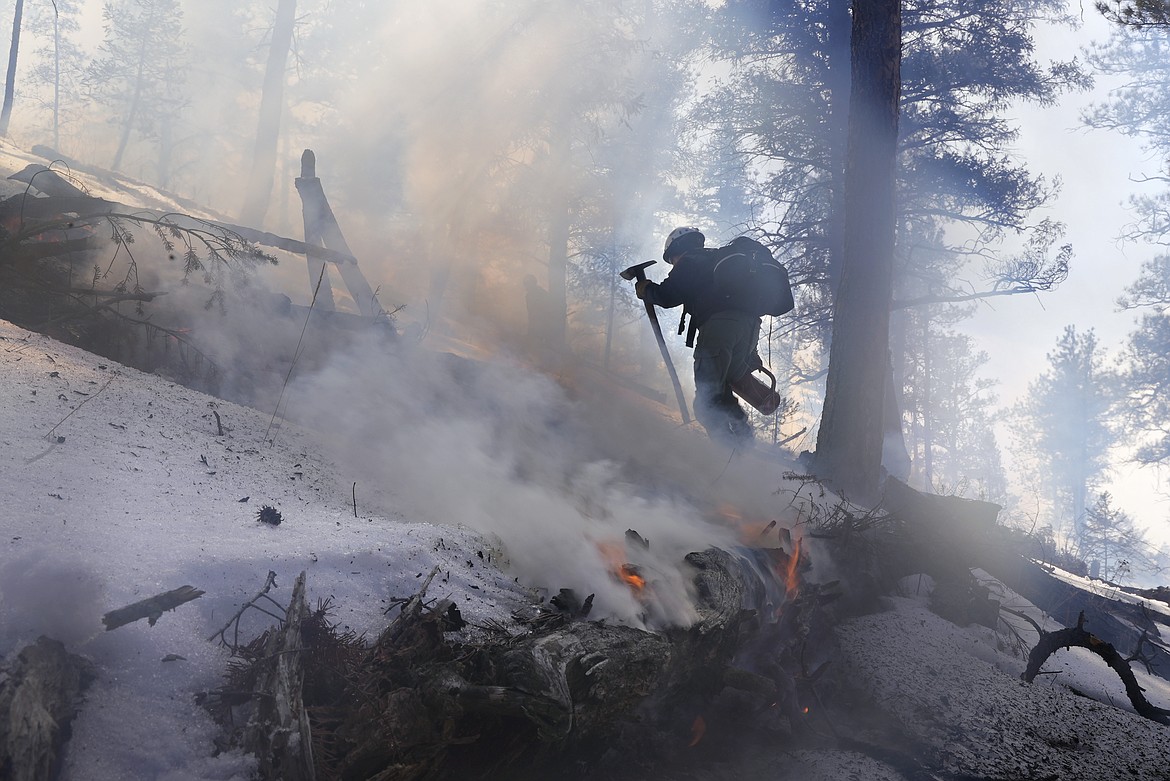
(636, 272)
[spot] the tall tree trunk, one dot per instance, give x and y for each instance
(849, 443)
(558, 242)
(927, 406)
(838, 133)
(166, 148)
(56, 78)
(10, 81)
(268, 130)
(146, 42)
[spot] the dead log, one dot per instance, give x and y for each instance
(150, 608)
(50, 209)
(48, 181)
(944, 535)
(278, 731)
(1050, 642)
(39, 696)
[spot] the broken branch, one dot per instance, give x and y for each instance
(269, 582)
(1051, 642)
(151, 608)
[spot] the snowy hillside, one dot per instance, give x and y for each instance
(120, 485)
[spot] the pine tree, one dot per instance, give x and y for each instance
(1138, 14)
(1112, 538)
(259, 188)
(950, 411)
(1066, 429)
(1139, 108)
(850, 437)
(139, 72)
(1146, 363)
(964, 66)
(53, 82)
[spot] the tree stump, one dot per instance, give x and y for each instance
(39, 696)
(278, 730)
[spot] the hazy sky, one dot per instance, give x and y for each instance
(1098, 169)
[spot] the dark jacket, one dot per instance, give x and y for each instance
(691, 282)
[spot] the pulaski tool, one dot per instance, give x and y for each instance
(637, 273)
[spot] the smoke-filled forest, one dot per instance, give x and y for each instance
(471, 145)
(482, 173)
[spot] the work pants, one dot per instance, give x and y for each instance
(725, 350)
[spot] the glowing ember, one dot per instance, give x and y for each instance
(623, 571)
(628, 574)
(698, 729)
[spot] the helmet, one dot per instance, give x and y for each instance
(678, 233)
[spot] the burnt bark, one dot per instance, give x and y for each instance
(278, 731)
(151, 608)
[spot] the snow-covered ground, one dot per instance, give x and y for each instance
(118, 485)
(956, 694)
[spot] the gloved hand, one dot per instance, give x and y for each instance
(755, 362)
(640, 288)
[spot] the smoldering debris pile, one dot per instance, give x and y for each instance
(552, 693)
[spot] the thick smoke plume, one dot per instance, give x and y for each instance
(502, 449)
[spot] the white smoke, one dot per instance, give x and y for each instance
(501, 449)
(45, 592)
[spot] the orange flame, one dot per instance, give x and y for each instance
(792, 571)
(627, 573)
(698, 729)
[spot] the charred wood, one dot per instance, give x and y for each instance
(150, 608)
(569, 697)
(278, 731)
(39, 696)
(24, 208)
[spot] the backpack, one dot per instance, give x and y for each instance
(749, 279)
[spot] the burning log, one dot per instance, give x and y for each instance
(565, 696)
